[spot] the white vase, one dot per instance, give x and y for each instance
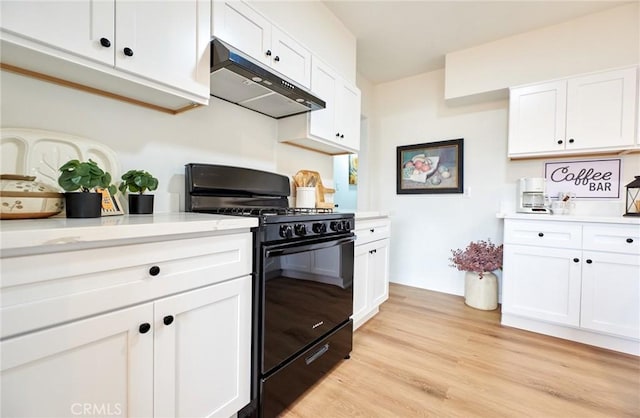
(481, 293)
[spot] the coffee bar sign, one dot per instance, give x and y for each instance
(589, 179)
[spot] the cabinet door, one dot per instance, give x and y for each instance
(611, 293)
(537, 118)
(542, 283)
(99, 366)
(202, 351)
(380, 272)
(324, 83)
(71, 26)
(361, 284)
(348, 115)
(167, 41)
(290, 58)
(239, 25)
(601, 110)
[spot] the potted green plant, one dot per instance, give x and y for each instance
(480, 259)
(137, 182)
(82, 182)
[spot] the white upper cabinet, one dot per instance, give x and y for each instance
(154, 52)
(244, 28)
(336, 128)
(590, 113)
(78, 27)
(159, 41)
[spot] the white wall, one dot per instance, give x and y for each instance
(595, 42)
(221, 133)
(426, 227)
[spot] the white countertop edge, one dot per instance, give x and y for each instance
(361, 216)
(24, 233)
(570, 218)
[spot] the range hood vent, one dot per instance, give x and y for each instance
(239, 79)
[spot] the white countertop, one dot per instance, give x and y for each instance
(370, 215)
(571, 218)
(27, 233)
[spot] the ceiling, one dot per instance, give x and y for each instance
(397, 39)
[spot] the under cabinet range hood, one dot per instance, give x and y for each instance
(239, 79)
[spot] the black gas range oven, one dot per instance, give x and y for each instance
(302, 280)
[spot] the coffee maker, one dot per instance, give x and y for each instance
(531, 198)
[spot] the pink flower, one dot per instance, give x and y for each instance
(480, 257)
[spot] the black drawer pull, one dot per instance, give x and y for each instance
(589, 261)
(168, 320)
(315, 356)
(575, 260)
(372, 230)
(154, 270)
(629, 240)
(540, 234)
(144, 328)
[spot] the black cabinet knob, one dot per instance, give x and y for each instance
(128, 52)
(154, 270)
(276, 58)
(168, 320)
(571, 140)
(341, 136)
(629, 240)
(540, 234)
(589, 261)
(144, 328)
(105, 42)
(268, 53)
(559, 141)
(575, 260)
(337, 134)
(372, 230)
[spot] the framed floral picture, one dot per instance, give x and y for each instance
(432, 167)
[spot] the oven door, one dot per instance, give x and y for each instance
(307, 292)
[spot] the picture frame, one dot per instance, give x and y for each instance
(353, 169)
(430, 168)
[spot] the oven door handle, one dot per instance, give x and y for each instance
(308, 247)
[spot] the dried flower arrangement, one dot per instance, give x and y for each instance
(480, 257)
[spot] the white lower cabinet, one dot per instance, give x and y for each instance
(574, 280)
(178, 344)
(611, 293)
(547, 286)
(98, 366)
(371, 268)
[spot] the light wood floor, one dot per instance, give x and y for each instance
(428, 354)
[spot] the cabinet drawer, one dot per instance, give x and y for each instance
(543, 234)
(373, 230)
(63, 286)
(613, 238)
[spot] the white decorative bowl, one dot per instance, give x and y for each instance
(21, 197)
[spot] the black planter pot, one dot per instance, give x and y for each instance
(140, 204)
(83, 204)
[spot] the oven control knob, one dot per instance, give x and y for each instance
(347, 225)
(300, 229)
(337, 226)
(286, 231)
(319, 228)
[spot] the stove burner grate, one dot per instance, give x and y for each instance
(262, 211)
